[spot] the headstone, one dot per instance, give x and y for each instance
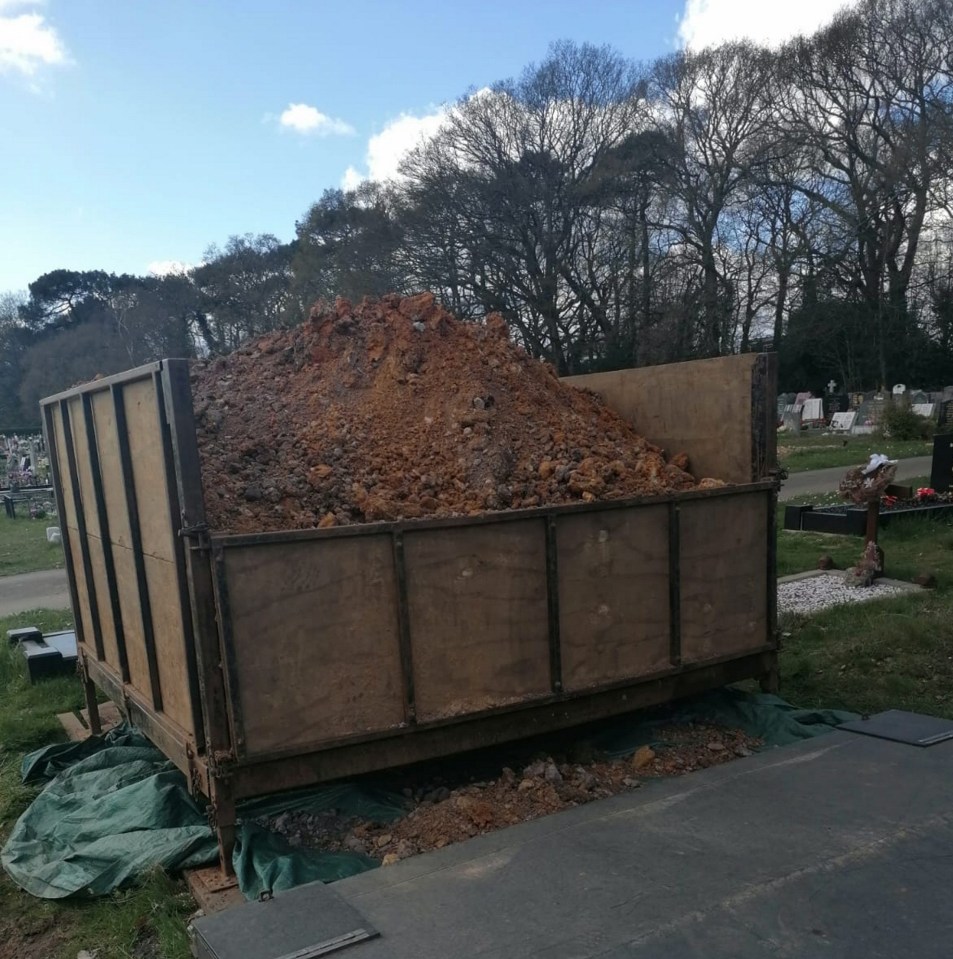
(843, 422)
(941, 472)
(791, 420)
(927, 410)
(857, 400)
(899, 389)
(918, 397)
(813, 412)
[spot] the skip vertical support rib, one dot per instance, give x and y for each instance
(135, 535)
(81, 530)
(403, 629)
(552, 605)
(109, 562)
(674, 584)
(50, 435)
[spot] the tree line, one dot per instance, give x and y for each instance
(617, 214)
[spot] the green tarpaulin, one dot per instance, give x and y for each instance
(113, 807)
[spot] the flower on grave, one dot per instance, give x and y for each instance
(888, 500)
(925, 494)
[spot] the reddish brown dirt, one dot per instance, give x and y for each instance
(439, 816)
(394, 410)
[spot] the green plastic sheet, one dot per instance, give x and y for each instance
(114, 808)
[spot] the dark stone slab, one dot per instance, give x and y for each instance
(303, 923)
(914, 729)
(836, 847)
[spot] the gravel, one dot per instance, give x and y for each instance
(814, 593)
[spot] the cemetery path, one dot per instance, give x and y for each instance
(46, 589)
(816, 482)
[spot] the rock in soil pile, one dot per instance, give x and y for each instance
(394, 409)
(440, 814)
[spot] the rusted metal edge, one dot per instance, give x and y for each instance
(93, 605)
(135, 535)
(453, 522)
(764, 386)
(198, 567)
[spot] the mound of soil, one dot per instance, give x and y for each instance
(394, 409)
(441, 813)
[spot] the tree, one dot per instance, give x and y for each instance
(509, 176)
(244, 290)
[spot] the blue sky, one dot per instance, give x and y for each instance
(138, 132)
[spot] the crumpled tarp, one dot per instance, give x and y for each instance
(763, 715)
(113, 807)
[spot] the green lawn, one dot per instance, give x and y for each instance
(147, 922)
(890, 653)
(23, 545)
(812, 451)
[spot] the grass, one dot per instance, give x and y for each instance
(815, 451)
(23, 546)
(145, 922)
(895, 653)
(890, 653)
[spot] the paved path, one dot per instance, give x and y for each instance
(814, 482)
(46, 589)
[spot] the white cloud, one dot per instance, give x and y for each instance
(707, 23)
(303, 118)
(386, 149)
(169, 267)
(27, 41)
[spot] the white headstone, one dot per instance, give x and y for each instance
(842, 422)
(925, 409)
(813, 411)
(899, 389)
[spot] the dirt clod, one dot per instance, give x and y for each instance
(393, 409)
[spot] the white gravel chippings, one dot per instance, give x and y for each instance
(815, 593)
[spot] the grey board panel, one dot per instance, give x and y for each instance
(302, 923)
(914, 729)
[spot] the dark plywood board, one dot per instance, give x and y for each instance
(613, 595)
(93, 537)
(724, 576)
(169, 631)
(314, 642)
(114, 495)
(478, 617)
(68, 519)
(703, 408)
(148, 466)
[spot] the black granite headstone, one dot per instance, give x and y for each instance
(942, 471)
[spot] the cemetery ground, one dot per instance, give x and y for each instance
(811, 450)
(24, 548)
(889, 653)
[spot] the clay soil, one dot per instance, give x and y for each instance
(393, 409)
(442, 812)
